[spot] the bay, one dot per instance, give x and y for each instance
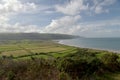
(112, 44)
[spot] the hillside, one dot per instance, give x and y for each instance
(34, 36)
(48, 60)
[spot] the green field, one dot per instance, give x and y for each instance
(26, 49)
(86, 64)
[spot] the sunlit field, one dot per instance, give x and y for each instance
(20, 49)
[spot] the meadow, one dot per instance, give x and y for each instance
(26, 49)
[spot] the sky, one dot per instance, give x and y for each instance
(89, 18)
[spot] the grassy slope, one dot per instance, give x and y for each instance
(46, 49)
(41, 48)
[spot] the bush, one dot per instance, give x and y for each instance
(64, 76)
(37, 69)
(110, 61)
(95, 66)
(11, 75)
(78, 68)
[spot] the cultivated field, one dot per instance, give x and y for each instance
(28, 49)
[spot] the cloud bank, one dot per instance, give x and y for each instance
(10, 8)
(70, 22)
(72, 10)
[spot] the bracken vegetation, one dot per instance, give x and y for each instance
(83, 64)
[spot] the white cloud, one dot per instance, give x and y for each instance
(74, 7)
(15, 6)
(19, 28)
(9, 8)
(106, 26)
(69, 25)
(99, 6)
(63, 24)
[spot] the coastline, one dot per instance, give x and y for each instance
(114, 51)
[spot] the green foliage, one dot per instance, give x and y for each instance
(109, 58)
(85, 64)
(11, 75)
(67, 63)
(111, 61)
(64, 76)
(37, 69)
(79, 67)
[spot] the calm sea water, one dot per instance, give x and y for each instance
(112, 44)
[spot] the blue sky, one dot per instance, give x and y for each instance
(90, 18)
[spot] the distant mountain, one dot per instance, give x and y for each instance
(34, 36)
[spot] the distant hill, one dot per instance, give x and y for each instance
(34, 36)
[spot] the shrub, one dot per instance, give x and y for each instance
(64, 76)
(110, 61)
(11, 75)
(37, 69)
(79, 67)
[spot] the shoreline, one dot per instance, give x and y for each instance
(114, 51)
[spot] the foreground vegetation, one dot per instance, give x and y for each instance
(47, 60)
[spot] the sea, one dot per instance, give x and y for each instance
(110, 44)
